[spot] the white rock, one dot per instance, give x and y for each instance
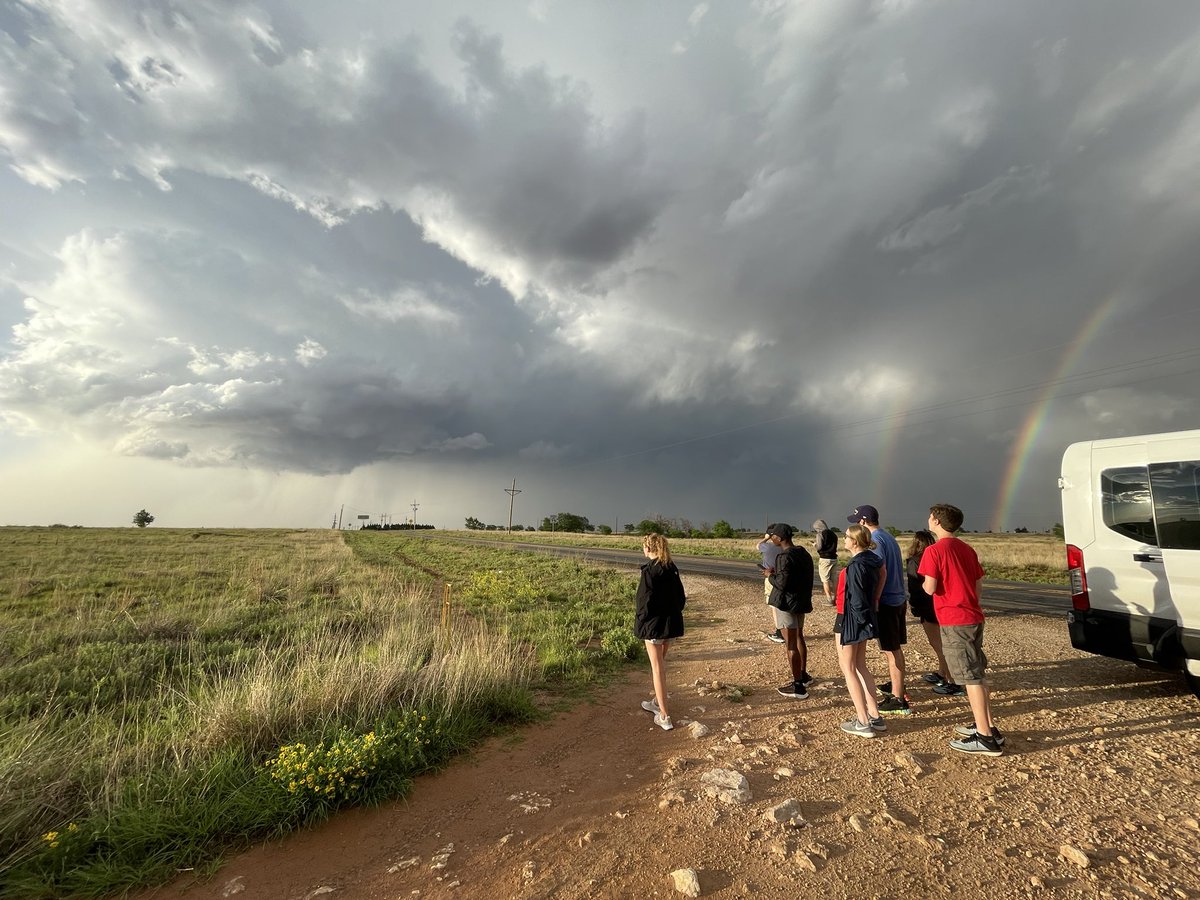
(785, 772)
(698, 730)
(726, 785)
(234, 886)
(1074, 855)
(858, 823)
(439, 859)
(785, 813)
(404, 864)
(687, 882)
(317, 892)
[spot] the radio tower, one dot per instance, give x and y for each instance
(415, 505)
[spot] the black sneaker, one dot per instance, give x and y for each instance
(969, 730)
(949, 689)
(934, 678)
(884, 687)
(793, 689)
(806, 679)
(775, 636)
(977, 744)
(894, 706)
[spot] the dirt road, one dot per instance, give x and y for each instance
(1097, 794)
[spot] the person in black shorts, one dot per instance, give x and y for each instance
(921, 605)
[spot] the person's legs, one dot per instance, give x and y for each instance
(792, 641)
(867, 680)
(847, 659)
(658, 656)
(977, 696)
(934, 633)
(801, 647)
(895, 661)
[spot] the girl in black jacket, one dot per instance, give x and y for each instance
(659, 619)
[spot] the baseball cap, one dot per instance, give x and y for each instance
(866, 511)
(781, 530)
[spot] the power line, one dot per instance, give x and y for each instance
(512, 495)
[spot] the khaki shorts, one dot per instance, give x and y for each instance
(827, 568)
(962, 646)
(767, 589)
(788, 620)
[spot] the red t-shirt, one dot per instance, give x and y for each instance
(841, 591)
(955, 565)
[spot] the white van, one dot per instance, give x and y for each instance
(1131, 520)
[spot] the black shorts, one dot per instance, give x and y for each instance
(892, 631)
(923, 609)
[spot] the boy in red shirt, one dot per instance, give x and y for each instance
(953, 576)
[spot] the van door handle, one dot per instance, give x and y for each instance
(1147, 557)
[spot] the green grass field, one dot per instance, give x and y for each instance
(167, 695)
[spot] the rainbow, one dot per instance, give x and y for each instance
(1040, 409)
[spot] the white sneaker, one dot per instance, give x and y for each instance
(663, 722)
(650, 706)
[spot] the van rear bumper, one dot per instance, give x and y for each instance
(1145, 639)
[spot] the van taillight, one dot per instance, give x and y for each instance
(1079, 590)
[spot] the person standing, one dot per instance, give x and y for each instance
(893, 600)
(855, 625)
(953, 577)
(791, 597)
(659, 619)
(825, 542)
(769, 551)
(921, 605)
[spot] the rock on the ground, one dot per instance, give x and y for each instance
(785, 813)
(697, 730)
(1074, 855)
(726, 785)
(687, 882)
(858, 823)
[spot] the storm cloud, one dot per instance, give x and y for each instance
(751, 263)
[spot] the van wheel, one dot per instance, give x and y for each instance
(1193, 681)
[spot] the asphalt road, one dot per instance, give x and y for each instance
(998, 596)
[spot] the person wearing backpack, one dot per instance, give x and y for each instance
(825, 542)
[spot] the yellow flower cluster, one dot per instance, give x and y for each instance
(338, 770)
(329, 771)
(54, 838)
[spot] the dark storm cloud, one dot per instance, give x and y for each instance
(810, 253)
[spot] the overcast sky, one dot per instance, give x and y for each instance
(744, 261)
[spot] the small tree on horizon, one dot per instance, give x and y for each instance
(141, 518)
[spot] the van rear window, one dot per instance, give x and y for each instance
(1126, 502)
(1176, 490)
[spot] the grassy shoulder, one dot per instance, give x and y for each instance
(167, 695)
(1038, 558)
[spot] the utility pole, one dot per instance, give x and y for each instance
(340, 511)
(415, 506)
(512, 495)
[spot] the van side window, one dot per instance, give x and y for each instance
(1125, 498)
(1176, 488)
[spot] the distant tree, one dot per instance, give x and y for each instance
(1021, 530)
(566, 522)
(658, 525)
(141, 518)
(473, 524)
(605, 529)
(530, 528)
(1057, 531)
(722, 529)
(630, 528)
(893, 531)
